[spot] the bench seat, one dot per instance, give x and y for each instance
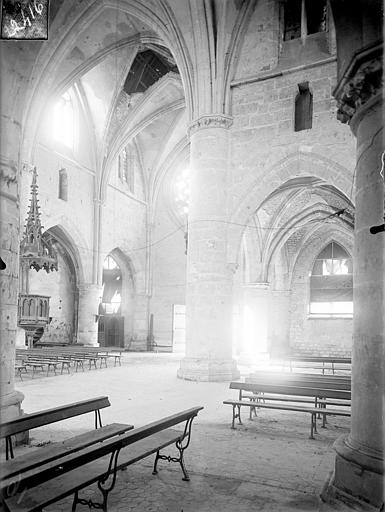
(41, 496)
(313, 411)
(48, 480)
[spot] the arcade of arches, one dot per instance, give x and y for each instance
(208, 172)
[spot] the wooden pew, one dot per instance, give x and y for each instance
(47, 416)
(287, 393)
(298, 379)
(43, 480)
(320, 362)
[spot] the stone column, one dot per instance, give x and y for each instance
(10, 399)
(359, 465)
(209, 277)
(140, 322)
(89, 300)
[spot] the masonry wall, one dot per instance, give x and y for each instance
(263, 140)
(168, 263)
(124, 219)
(60, 286)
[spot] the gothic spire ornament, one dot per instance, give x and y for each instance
(35, 249)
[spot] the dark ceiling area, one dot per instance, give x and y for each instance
(148, 67)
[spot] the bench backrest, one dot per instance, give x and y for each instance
(298, 381)
(315, 359)
(283, 389)
(40, 418)
(93, 452)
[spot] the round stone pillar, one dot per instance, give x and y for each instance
(10, 399)
(359, 465)
(89, 300)
(209, 276)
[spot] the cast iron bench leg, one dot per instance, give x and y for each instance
(313, 425)
(235, 415)
(103, 486)
(181, 448)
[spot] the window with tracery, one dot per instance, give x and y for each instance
(112, 287)
(331, 283)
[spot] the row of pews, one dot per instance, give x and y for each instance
(50, 360)
(316, 395)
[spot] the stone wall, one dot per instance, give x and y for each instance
(168, 262)
(266, 152)
(60, 286)
(124, 218)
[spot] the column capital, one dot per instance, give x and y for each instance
(361, 82)
(210, 121)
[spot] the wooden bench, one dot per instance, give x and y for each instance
(313, 411)
(49, 477)
(316, 394)
(320, 362)
(47, 416)
(308, 380)
(19, 369)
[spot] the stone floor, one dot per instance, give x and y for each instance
(268, 464)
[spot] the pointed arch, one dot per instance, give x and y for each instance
(69, 249)
(68, 26)
(296, 165)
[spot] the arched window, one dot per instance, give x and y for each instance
(112, 287)
(63, 185)
(63, 127)
(303, 116)
(331, 283)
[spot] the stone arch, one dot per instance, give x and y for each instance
(233, 51)
(311, 335)
(61, 235)
(310, 214)
(317, 241)
(161, 20)
(130, 265)
(71, 238)
(299, 164)
(133, 126)
(133, 314)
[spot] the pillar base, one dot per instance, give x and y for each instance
(358, 479)
(208, 370)
(10, 406)
(10, 409)
(88, 339)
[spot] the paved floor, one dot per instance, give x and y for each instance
(268, 464)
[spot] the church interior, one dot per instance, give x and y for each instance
(204, 179)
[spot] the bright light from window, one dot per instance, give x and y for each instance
(111, 308)
(63, 121)
(334, 267)
(110, 263)
(328, 309)
(182, 191)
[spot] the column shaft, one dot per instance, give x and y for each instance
(10, 399)
(89, 300)
(209, 277)
(359, 460)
